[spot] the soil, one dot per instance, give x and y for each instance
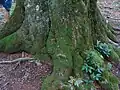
(22, 75)
(111, 11)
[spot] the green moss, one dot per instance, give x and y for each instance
(113, 79)
(87, 87)
(109, 86)
(106, 86)
(110, 35)
(110, 77)
(50, 83)
(117, 50)
(10, 43)
(115, 57)
(78, 63)
(110, 81)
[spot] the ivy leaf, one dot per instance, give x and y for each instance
(88, 81)
(78, 82)
(90, 69)
(100, 70)
(103, 48)
(85, 68)
(97, 77)
(71, 81)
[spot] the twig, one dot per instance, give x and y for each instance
(17, 60)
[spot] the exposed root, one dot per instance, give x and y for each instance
(111, 36)
(17, 60)
(114, 56)
(116, 29)
(56, 79)
(113, 43)
(11, 44)
(116, 32)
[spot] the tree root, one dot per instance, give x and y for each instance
(11, 44)
(111, 36)
(17, 60)
(56, 79)
(113, 43)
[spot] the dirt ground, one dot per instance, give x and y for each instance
(111, 11)
(22, 75)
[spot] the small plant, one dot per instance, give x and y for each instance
(73, 83)
(92, 69)
(86, 81)
(87, 68)
(103, 48)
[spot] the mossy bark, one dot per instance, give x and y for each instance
(15, 20)
(76, 27)
(63, 30)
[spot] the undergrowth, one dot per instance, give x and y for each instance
(95, 70)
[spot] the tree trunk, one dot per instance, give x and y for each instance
(66, 31)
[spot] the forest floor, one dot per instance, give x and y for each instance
(29, 75)
(22, 75)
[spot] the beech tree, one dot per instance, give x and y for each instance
(72, 34)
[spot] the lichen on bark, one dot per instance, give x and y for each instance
(62, 31)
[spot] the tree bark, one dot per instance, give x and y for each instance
(63, 30)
